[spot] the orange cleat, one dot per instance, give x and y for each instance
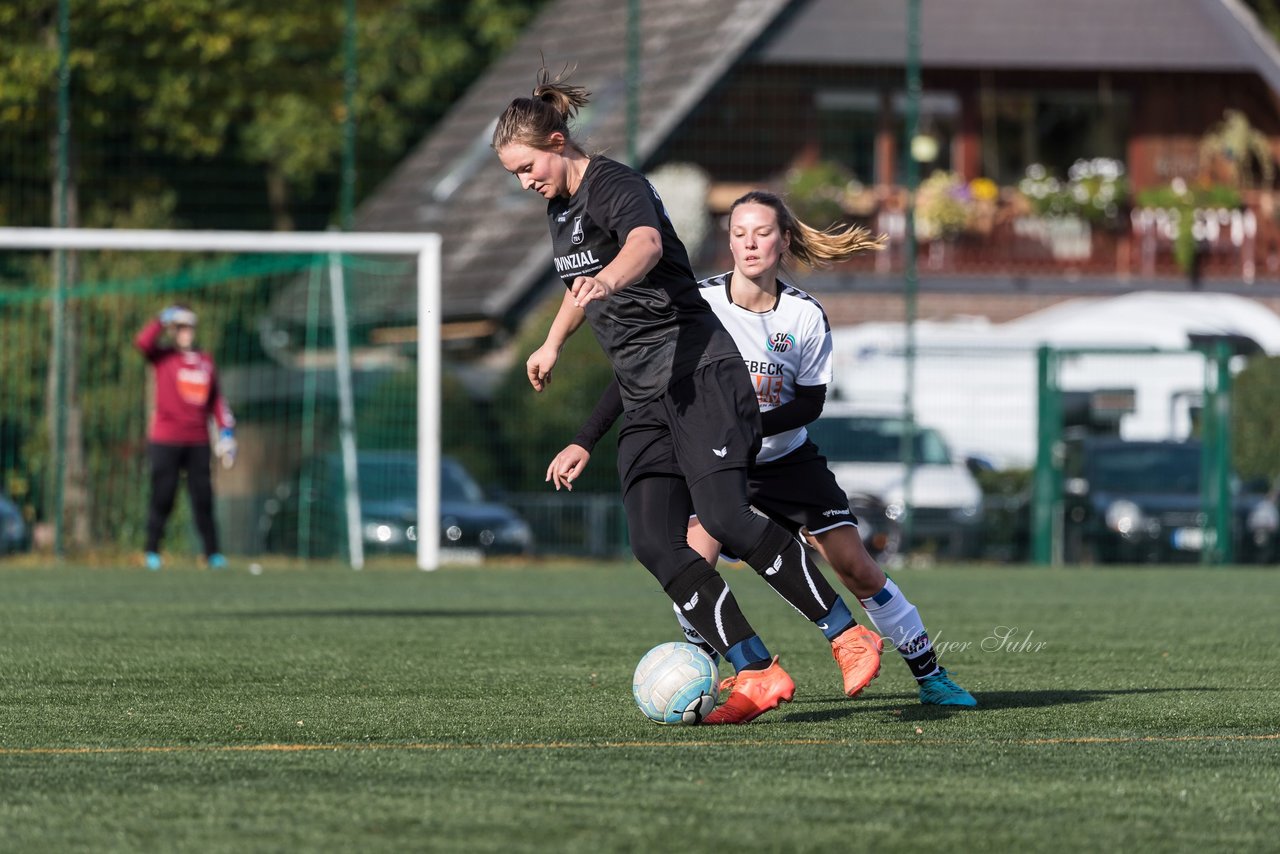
(857, 651)
(752, 693)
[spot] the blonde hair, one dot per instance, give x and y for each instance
(811, 246)
(532, 121)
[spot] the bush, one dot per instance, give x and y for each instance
(1255, 411)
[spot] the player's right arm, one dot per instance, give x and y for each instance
(148, 338)
(568, 319)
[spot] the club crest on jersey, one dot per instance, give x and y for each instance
(576, 237)
(781, 342)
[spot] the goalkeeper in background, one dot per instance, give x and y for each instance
(186, 397)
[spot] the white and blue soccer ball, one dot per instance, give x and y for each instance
(676, 683)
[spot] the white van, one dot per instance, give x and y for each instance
(864, 450)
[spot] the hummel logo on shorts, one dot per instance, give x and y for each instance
(721, 452)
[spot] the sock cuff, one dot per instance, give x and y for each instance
(887, 594)
(836, 621)
(748, 651)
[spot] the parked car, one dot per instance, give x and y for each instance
(15, 536)
(1139, 501)
(388, 483)
(864, 451)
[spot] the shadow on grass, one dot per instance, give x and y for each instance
(907, 707)
(381, 613)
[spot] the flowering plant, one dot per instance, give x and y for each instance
(984, 190)
(1178, 202)
(1094, 190)
(942, 206)
(823, 193)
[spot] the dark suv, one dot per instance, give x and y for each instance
(389, 510)
(1140, 502)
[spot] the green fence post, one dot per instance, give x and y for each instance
(59, 319)
(1208, 434)
(350, 69)
(633, 84)
(1045, 491)
(1218, 450)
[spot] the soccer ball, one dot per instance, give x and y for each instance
(676, 683)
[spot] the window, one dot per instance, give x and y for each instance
(1054, 129)
(875, 440)
(848, 121)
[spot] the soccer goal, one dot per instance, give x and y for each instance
(320, 340)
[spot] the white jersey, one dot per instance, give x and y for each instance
(786, 346)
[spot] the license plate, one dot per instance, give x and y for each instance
(466, 557)
(1188, 539)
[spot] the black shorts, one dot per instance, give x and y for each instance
(708, 421)
(799, 491)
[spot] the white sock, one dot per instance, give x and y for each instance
(898, 622)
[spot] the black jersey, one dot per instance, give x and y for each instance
(658, 329)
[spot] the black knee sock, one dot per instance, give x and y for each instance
(783, 563)
(710, 607)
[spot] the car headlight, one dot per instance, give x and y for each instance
(969, 513)
(1124, 517)
(383, 533)
(1264, 517)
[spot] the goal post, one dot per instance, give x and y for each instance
(424, 248)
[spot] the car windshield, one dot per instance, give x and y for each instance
(1156, 469)
(399, 477)
(875, 440)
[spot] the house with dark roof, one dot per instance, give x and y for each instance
(750, 91)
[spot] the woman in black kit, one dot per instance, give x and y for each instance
(691, 424)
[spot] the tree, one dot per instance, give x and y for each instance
(1268, 12)
(249, 82)
(534, 427)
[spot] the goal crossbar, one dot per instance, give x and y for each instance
(424, 247)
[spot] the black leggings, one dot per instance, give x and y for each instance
(658, 510)
(167, 461)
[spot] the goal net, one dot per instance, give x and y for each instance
(327, 349)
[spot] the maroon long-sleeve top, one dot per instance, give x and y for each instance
(187, 393)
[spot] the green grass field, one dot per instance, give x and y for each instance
(489, 709)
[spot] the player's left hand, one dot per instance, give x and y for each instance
(225, 449)
(567, 466)
(588, 288)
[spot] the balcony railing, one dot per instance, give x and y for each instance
(1227, 245)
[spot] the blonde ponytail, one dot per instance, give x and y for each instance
(811, 246)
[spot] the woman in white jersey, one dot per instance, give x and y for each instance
(785, 341)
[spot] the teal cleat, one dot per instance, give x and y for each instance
(153, 561)
(939, 690)
(217, 561)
